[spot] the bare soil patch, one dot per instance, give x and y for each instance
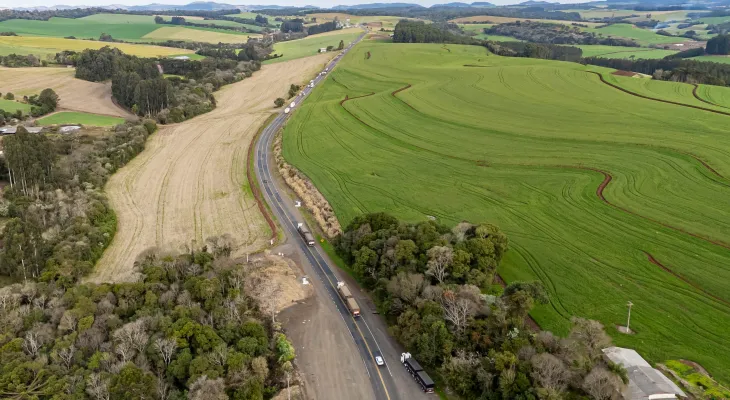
(624, 73)
(190, 182)
(75, 94)
(282, 271)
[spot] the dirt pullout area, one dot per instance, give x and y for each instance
(313, 200)
(190, 182)
(75, 94)
(282, 272)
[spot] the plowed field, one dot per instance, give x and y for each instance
(75, 94)
(190, 182)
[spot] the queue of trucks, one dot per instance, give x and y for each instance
(410, 364)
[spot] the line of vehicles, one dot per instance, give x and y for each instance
(409, 363)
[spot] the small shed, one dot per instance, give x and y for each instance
(645, 382)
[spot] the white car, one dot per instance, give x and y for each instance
(379, 361)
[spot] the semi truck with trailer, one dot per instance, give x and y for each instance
(417, 372)
(349, 299)
(306, 234)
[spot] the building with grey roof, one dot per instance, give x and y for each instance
(645, 382)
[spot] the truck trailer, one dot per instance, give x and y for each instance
(417, 372)
(306, 234)
(349, 299)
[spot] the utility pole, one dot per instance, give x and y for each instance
(628, 320)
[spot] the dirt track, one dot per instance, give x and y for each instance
(75, 94)
(190, 182)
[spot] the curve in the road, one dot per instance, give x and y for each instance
(363, 337)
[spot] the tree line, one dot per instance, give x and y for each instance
(177, 20)
(138, 85)
(538, 32)
(60, 221)
(435, 285)
(196, 326)
(407, 31)
(419, 32)
(669, 69)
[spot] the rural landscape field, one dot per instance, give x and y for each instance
(385, 201)
(604, 195)
(195, 174)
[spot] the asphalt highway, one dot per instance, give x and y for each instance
(389, 382)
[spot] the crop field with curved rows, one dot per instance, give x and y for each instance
(607, 196)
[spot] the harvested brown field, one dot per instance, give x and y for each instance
(190, 182)
(75, 94)
(491, 19)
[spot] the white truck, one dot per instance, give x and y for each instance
(292, 104)
(286, 110)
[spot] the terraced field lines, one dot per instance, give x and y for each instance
(423, 130)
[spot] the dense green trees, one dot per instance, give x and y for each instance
(138, 85)
(44, 103)
(60, 222)
(321, 28)
(720, 44)
(407, 31)
(189, 329)
(677, 70)
(292, 26)
(434, 285)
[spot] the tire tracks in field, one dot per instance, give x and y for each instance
(599, 191)
(607, 178)
(697, 96)
(603, 80)
(683, 279)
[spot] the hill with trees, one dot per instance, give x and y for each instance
(196, 326)
(435, 285)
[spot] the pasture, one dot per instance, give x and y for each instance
(121, 26)
(717, 59)
(308, 46)
(47, 47)
(644, 37)
(195, 34)
(623, 52)
(90, 27)
(72, 117)
(11, 106)
(384, 21)
(629, 204)
(75, 94)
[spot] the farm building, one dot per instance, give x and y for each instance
(645, 382)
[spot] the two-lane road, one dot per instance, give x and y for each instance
(389, 382)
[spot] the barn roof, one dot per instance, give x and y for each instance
(645, 382)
